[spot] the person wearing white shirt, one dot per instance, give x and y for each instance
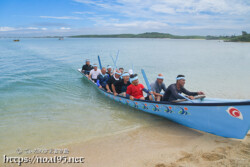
(94, 73)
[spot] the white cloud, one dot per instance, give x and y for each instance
(32, 28)
(222, 7)
(175, 14)
(99, 3)
(65, 28)
(85, 1)
(61, 17)
(20, 28)
(210, 27)
(163, 9)
(133, 16)
(84, 13)
(134, 7)
(141, 24)
(230, 7)
(7, 29)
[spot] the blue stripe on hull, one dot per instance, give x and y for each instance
(211, 119)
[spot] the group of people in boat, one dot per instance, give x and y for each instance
(127, 84)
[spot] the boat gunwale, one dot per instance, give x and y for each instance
(174, 103)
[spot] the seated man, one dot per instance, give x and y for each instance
(157, 86)
(102, 79)
(135, 89)
(172, 91)
(109, 71)
(87, 67)
(120, 87)
(115, 77)
(121, 70)
(94, 73)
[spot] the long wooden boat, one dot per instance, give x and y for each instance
(222, 117)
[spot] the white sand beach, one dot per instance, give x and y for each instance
(163, 145)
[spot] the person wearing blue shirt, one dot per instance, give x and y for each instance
(102, 79)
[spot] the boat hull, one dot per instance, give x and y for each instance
(229, 119)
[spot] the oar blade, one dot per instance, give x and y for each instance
(113, 62)
(185, 97)
(99, 60)
(146, 81)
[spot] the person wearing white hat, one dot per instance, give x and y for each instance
(109, 71)
(102, 79)
(120, 87)
(135, 89)
(115, 77)
(94, 73)
(86, 68)
(158, 86)
(173, 90)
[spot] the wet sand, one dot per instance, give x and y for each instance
(160, 146)
(163, 145)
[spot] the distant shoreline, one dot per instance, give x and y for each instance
(144, 35)
(245, 37)
(241, 38)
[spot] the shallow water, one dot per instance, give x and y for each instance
(44, 101)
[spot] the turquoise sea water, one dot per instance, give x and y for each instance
(44, 102)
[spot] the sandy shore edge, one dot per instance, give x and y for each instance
(159, 146)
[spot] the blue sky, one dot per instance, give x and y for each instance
(71, 17)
